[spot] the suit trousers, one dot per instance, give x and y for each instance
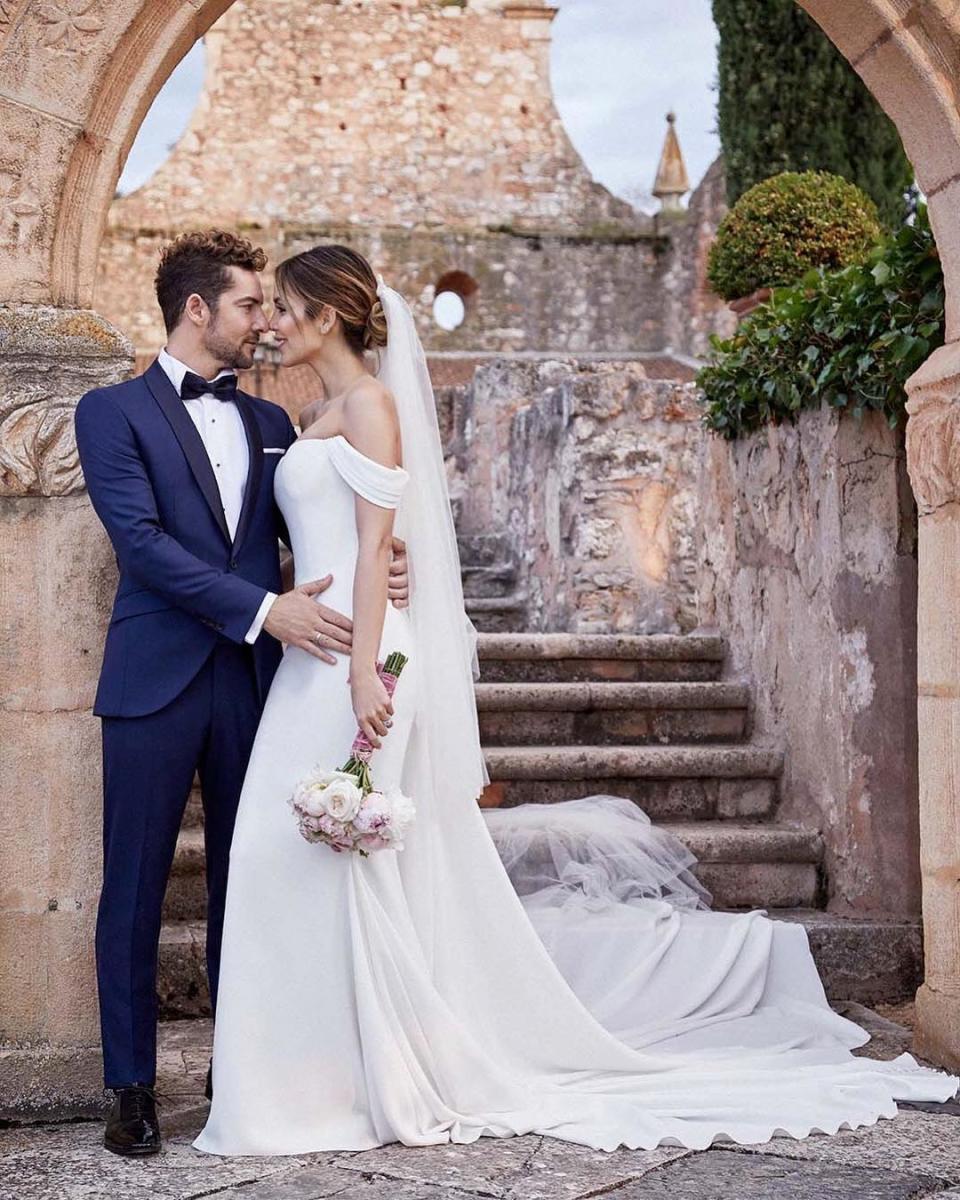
(148, 770)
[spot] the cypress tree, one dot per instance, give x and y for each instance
(789, 101)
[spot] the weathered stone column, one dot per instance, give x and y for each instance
(933, 457)
(56, 582)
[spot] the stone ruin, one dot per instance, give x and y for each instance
(426, 135)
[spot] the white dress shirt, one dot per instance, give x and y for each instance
(225, 440)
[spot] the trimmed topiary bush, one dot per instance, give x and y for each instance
(784, 226)
(848, 338)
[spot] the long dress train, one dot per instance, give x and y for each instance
(408, 996)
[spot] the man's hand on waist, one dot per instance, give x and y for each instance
(297, 619)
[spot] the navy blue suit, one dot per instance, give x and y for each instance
(180, 690)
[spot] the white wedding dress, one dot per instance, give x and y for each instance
(419, 996)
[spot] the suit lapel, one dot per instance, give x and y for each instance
(255, 470)
(190, 441)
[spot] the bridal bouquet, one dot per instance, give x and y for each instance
(343, 808)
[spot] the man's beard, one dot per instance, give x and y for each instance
(231, 356)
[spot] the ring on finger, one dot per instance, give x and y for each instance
(318, 638)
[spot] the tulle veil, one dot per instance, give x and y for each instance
(577, 855)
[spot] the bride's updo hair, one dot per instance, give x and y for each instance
(342, 278)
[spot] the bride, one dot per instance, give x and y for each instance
(547, 969)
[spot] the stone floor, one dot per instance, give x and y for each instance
(915, 1155)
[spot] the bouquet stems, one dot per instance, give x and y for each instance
(358, 764)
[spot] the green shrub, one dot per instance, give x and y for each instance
(849, 338)
(787, 224)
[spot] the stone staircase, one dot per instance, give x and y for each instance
(492, 594)
(650, 718)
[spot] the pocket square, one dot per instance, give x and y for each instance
(274, 449)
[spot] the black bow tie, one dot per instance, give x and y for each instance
(224, 388)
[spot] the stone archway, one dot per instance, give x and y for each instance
(78, 76)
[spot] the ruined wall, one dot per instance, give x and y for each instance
(533, 293)
(377, 112)
(692, 311)
(588, 470)
(426, 135)
(809, 567)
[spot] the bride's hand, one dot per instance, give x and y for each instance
(372, 705)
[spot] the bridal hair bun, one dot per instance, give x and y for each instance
(342, 278)
(375, 333)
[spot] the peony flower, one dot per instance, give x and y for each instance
(373, 813)
(402, 810)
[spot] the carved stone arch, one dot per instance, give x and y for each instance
(158, 36)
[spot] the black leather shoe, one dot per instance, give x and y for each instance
(132, 1126)
(208, 1086)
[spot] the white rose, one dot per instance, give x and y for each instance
(341, 797)
(309, 794)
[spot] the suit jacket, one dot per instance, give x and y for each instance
(184, 583)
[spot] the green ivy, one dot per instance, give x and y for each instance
(850, 338)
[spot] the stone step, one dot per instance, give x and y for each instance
(488, 582)
(193, 815)
(555, 657)
(497, 615)
(484, 549)
(754, 866)
(743, 865)
(754, 761)
(611, 713)
(662, 799)
(694, 782)
(868, 960)
(186, 896)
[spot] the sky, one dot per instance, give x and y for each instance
(617, 67)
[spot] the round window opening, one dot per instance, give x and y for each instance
(449, 310)
(453, 292)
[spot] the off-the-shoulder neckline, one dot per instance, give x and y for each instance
(338, 437)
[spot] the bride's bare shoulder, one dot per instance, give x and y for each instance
(310, 412)
(370, 421)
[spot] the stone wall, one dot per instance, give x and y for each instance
(692, 311)
(588, 469)
(377, 112)
(809, 567)
(57, 577)
(544, 293)
(426, 135)
(440, 155)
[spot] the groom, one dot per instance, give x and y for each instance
(179, 464)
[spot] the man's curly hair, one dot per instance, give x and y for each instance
(198, 262)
